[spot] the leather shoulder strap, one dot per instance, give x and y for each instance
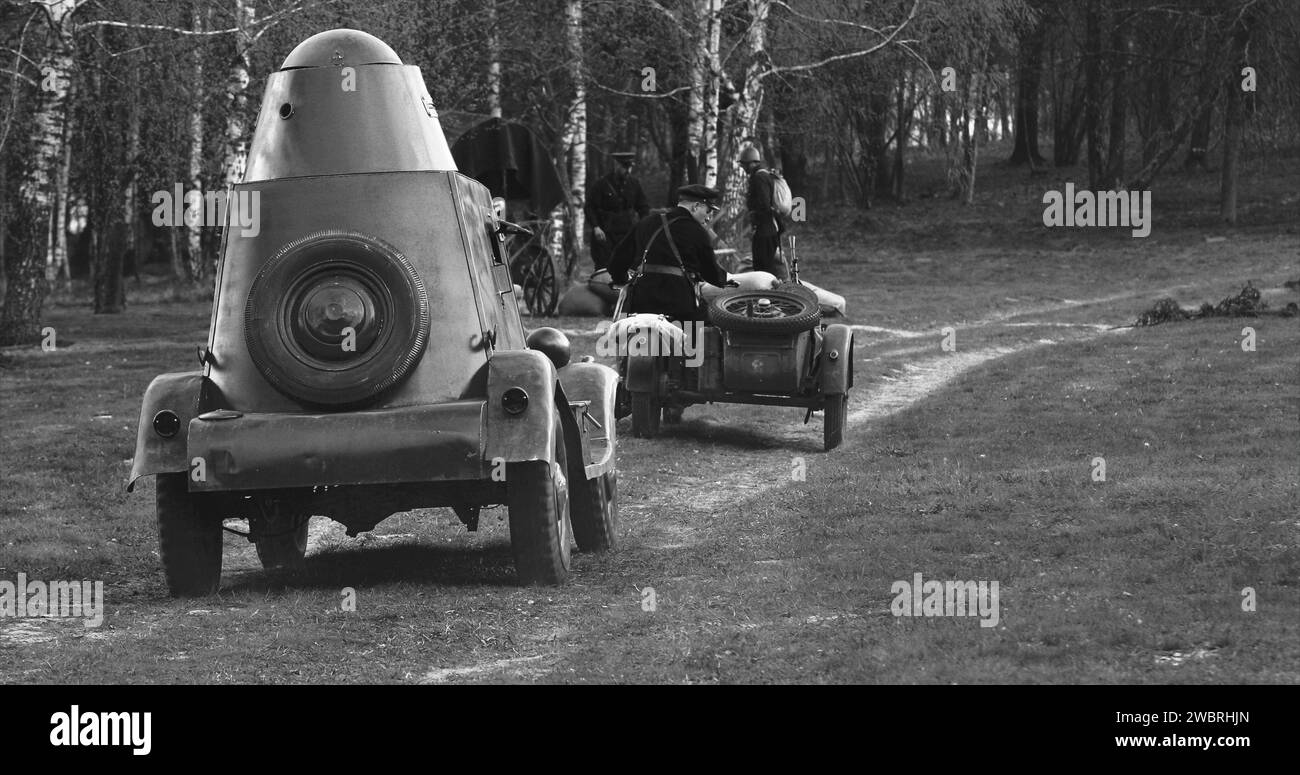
(648, 243)
(663, 217)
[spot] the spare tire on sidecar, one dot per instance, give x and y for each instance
(787, 310)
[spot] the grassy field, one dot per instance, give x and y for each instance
(967, 465)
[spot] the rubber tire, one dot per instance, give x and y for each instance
(622, 402)
(646, 413)
(285, 551)
(541, 532)
(834, 419)
(403, 335)
(808, 316)
(534, 271)
(595, 514)
(189, 539)
(544, 295)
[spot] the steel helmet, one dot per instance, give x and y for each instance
(750, 153)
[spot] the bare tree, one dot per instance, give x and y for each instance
(42, 191)
(706, 70)
(575, 127)
(1233, 118)
(493, 43)
(237, 91)
(1029, 70)
(195, 265)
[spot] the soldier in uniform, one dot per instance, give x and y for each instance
(763, 216)
(614, 204)
(670, 253)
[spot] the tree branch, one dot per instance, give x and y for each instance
(911, 14)
(643, 95)
(13, 102)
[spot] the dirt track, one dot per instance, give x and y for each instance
(895, 373)
(672, 489)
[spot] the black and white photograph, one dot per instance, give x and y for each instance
(651, 342)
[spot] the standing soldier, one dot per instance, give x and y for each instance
(763, 217)
(614, 204)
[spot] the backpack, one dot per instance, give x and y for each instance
(782, 199)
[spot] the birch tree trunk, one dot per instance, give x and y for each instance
(494, 61)
(56, 264)
(575, 130)
(695, 100)
(43, 186)
(194, 234)
(742, 120)
(237, 115)
(702, 131)
(969, 139)
(712, 91)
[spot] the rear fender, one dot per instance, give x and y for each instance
(837, 359)
(529, 435)
(155, 454)
(643, 334)
(597, 384)
(642, 374)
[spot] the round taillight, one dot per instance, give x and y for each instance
(514, 400)
(166, 423)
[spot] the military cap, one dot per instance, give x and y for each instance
(698, 193)
(624, 157)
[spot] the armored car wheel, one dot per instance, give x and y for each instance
(281, 539)
(189, 539)
(537, 497)
(836, 415)
(595, 514)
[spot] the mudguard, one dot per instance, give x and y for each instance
(181, 393)
(837, 359)
(642, 338)
(529, 435)
(597, 384)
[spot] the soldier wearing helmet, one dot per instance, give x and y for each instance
(763, 217)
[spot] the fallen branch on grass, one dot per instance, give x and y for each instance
(1246, 304)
